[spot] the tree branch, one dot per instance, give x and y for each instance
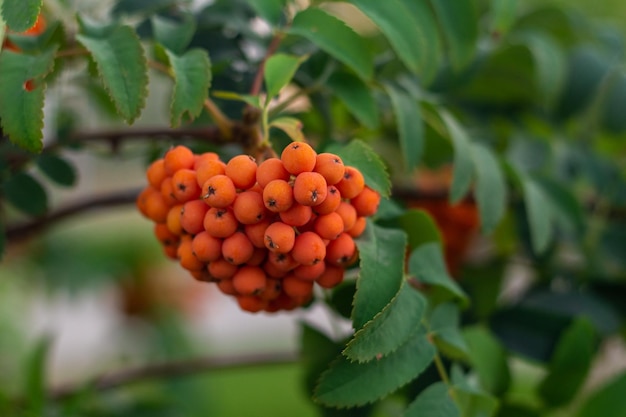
(173, 369)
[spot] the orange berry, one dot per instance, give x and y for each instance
(142, 200)
(179, 157)
(328, 226)
(256, 233)
(282, 302)
(331, 202)
(358, 228)
(171, 251)
(348, 214)
(167, 191)
(273, 288)
(298, 157)
(220, 223)
(272, 270)
(250, 280)
(165, 236)
(282, 261)
(352, 183)
(251, 303)
(192, 216)
(258, 257)
(156, 173)
(219, 191)
(269, 170)
(222, 269)
(186, 257)
(173, 220)
(156, 208)
(309, 189)
(331, 277)
(242, 170)
(203, 158)
(202, 275)
(237, 248)
(37, 28)
(310, 272)
(279, 237)
(206, 247)
(185, 185)
(296, 215)
(366, 202)
(330, 166)
(209, 169)
(340, 252)
(249, 207)
(296, 287)
(278, 196)
(308, 249)
(226, 286)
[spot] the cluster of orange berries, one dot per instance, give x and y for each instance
(263, 233)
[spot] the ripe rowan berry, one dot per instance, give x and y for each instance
(179, 157)
(282, 261)
(156, 173)
(37, 28)
(220, 223)
(206, 247)
(185, 186)
(273, 288)
(340, 252)
(358, 228)
(192, 216)
(330, 166)
(226, 286)
(165, 236)
(258, 257)
(221, 269)
(256, 233)
(249, 207)
(203, 158)
(167, 191)
(298, 157)
(331, 277)
(242, 170)
(330, 203)
(310, 188)
(310, 272)
(296, 287)
(186, 257)
(251, 303)
(272, 270)
(173, 220)
(352, 183)
(155, 206)
(279, 237)
(328, 226)
(269, 170)
(348, 214)
(219, 191)
(237, 248)
(250, 280)
(278, 196)
(202, 275)
(209, 169)
(366, 202)
(296, 215)
(308, 249)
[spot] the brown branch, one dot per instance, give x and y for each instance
(22, 231)
(173, 369)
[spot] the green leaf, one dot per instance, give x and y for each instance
(357, 96)
(382, 268)
(316, 351)
(254, 101)
(463, 171)
(445, 331)
(459, 23)
(336, 38)
(488, 358)
(35, 372)
(420, 227)
(3, 28)
(426, 263)
(348, 384)
(434, 401)
(57, 169)
(279, 70)
(270, 10)
(291, 126)
(550, 66)
(21, 15)
(503, 14)
(3, 239)
(26, 194)
(408, 32)
(123, 68)
(360, 155)
(173, 35)
(490, 191)
(538, 214)
(147, 7)
(410, 125)
(570, 364)
(192, 78)
(566, 208)
(608, 401)
(389, 329)
(472, 401)
(21, 111)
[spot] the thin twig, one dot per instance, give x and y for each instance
(173, 369)
(271, 49)
(210, 134)
(18, 232)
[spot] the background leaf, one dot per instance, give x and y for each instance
(57, 169)
(173, 35)
(538, 215)
(357, 96)
(192, 78)
(270, 10)
(21, 110)
(26, 194)
(410, 126)
(420, 227)
(472, 401)
(491, 194)
(434, 401)
(457, 19)
(279, 70)
(445, 331)
(35, 372)
(390, 328)
(463, 170)
(123, 68)
(21, 15)
(503, 13)
(291, 126)
(381, 252)
(336, 38)
(489, 358)
(608, 401)
(348, 384)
